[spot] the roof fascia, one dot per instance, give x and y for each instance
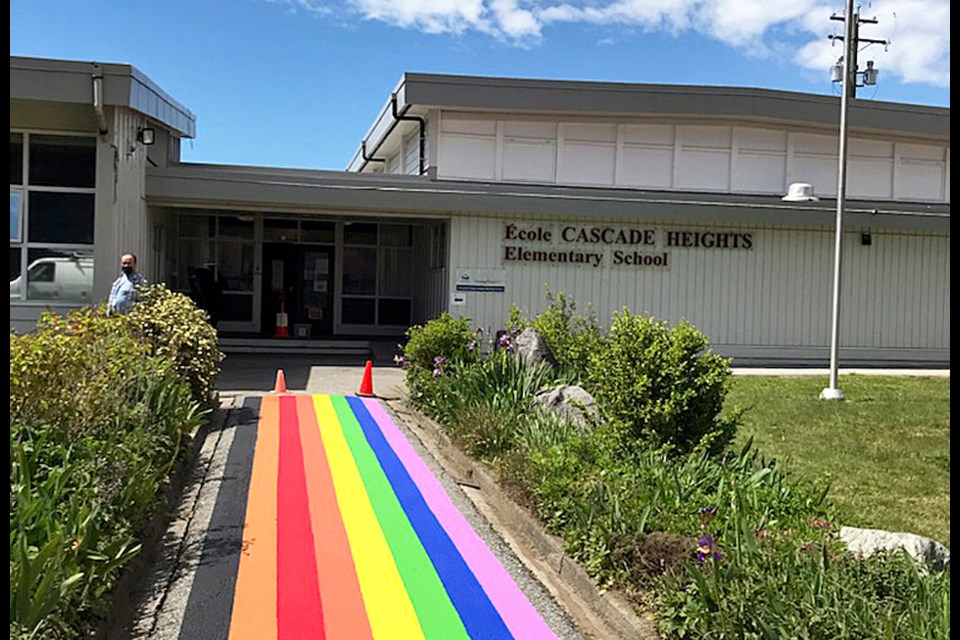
(70, 81)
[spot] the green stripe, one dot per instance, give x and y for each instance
(435, 611)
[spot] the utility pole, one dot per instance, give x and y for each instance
(849, 71)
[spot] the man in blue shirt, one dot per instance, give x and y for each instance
(123, 293)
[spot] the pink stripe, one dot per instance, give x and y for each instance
(518, 614)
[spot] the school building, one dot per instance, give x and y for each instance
(470, 194)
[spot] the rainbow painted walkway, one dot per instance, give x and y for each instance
(347, 535)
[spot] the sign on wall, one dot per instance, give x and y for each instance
(481, 281)
(596, 246)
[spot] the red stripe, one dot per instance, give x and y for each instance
(299, 612)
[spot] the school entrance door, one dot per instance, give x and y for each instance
(300, 277)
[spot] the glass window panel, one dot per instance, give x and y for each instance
(359, 233)
(317, 231)
(396, 235)
(396, 272)
(358, 311)
(359, 271)
(280, 230)
(393, 312)
(235, 266)
(193, 254)
(61, 275)
(63, 161)
(16, 216)
(231, 227)
(194, 227)
(16, 158)
(14, 272)
(236, 307)
(61, 217)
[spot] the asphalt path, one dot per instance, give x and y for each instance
(317, 515)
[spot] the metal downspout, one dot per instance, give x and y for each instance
(423, 129)
(98, 98)
(366, 158)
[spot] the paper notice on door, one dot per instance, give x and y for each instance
(277, 281)
(320, 286)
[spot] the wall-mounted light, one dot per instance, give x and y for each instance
(800, 192)
(146, 135)
(866, 239)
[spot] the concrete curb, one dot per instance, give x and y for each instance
(597, 615)
(128, 593)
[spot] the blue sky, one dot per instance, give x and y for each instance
(297, 83)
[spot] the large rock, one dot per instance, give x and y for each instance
(869, 541)
(532, 348)
(569, 401)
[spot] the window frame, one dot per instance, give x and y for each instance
(23, 242)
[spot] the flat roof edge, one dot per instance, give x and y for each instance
(126, 86)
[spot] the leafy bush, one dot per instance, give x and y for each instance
(435, 347)
(96, 425)
(573, 338)
(662, 385)
(73, 370)
(720, 544)
(176, 329)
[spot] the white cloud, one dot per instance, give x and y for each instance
(918, 30)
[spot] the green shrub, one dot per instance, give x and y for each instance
(176, 329)
(662, 385)
(96, 425)
(437, 346)
(73, 370)
(572, 337)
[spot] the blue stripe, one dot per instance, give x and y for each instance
(480, 618)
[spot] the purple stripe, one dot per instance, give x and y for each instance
(511, 603)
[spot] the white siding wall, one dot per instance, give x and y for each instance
(772, 299)
(430, 288)
(121, 222)
(698, 157)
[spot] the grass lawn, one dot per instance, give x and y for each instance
(885, 449)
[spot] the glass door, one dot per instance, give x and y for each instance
(235, 273)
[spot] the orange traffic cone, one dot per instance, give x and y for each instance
(281, 385)
(366, 386)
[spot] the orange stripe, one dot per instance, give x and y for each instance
(344, 614)
(254, 614)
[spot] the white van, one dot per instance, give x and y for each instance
(59, 278)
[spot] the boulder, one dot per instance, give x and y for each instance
(568, 401)
(532, 348)
(869, 541)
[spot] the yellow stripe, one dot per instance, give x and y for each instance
(388, 605)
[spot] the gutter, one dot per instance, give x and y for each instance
(98, 98)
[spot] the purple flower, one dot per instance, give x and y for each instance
(439, 361)
(437, 373)
(471, 346)
(400, 361)
(823, 524)
(707, 549)
(504, 340)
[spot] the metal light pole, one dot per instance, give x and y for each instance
(833, 392)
